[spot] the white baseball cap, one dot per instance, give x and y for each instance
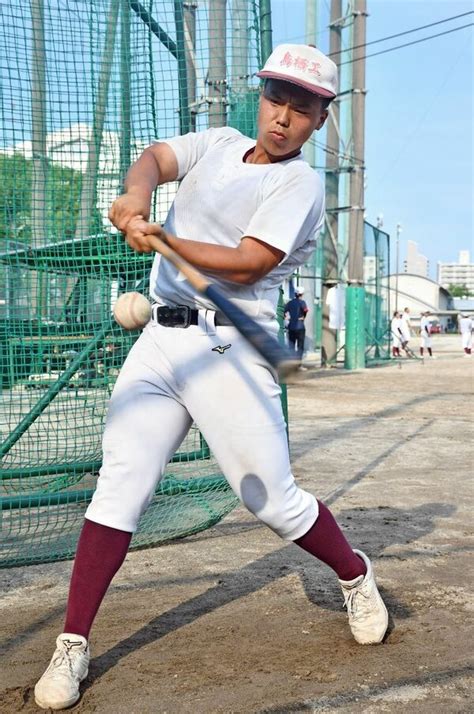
(299, 290)
(303, 65)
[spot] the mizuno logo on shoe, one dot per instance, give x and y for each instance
(69, 644)
(221, 349)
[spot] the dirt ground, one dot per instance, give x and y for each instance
(233, 620)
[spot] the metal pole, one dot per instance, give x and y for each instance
(38, 146)
(355, 296)
(330, 235)
(266, 29)
(125, 118)
(397, 269)
(379, 328)
(216, 78)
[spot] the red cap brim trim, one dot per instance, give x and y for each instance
(299, 82)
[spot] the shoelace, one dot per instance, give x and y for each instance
(349, 599)
(63, 657)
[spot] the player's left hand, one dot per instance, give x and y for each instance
(139, 231)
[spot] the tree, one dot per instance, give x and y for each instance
(63, 193)
(460, 291)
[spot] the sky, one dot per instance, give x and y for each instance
(419, 121)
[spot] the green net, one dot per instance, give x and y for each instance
(377, 305)
(86, 86)
(377, 294)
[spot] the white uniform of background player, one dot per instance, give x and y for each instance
(396, 327)
(247, 213)
(426, 341)
(406, 326)
(465, 327)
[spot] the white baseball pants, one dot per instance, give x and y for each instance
(466, 340)
(173, 377)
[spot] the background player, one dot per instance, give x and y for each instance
(396, 328)
(426, 341)
(296, 311)
(246, 213)
(465, 328)
(406, 329)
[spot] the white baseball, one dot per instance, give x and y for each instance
(132, 311)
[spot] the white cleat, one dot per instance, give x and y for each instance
(368, 616)
(58, 688)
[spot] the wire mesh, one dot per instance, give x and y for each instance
(377, 294)
(86, 87)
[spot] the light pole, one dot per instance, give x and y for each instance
(399, 230)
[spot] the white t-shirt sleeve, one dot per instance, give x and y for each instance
(190, 148)
(292, 208)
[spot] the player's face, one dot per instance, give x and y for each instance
(287, 117)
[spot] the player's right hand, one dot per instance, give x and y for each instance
(138, 233)
(128, 206)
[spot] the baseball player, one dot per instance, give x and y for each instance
(296, 311)
(426, 341)
(396, 327)
(246, 213)
(406, 326)
(465, 328)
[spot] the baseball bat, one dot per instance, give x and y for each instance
(276, 354)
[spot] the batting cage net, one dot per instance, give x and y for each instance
(377, 294)
(86, 86)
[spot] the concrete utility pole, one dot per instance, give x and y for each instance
(216, 77)
(309, 149)
(330, 235)
(240, 47)
(189, 16)
(355, 296)
(89, 180)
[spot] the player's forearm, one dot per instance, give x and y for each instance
(227, 263)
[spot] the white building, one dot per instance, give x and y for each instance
(460, 273)
(419, 294)
(416, 263)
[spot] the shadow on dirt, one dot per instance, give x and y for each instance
(376, 529)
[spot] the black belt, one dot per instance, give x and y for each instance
(183, 316)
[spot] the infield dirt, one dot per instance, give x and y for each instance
(233, 620)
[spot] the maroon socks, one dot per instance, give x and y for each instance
(100, 553)
(326, 542)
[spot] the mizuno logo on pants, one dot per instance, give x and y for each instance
(221, 349)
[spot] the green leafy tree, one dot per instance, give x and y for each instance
(63, 194)
(460, 291)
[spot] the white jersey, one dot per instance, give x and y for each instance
(281, 204)
(405, 327)
(465, 325)
(425, 327)
(396, 329)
